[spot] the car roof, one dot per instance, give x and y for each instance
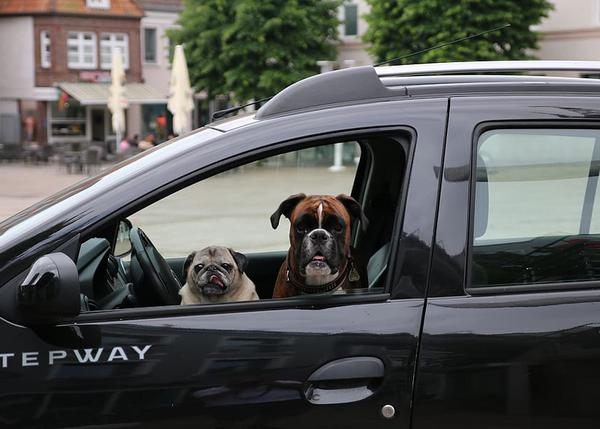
(232, 123)
(367, 84)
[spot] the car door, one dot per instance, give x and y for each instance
(510, 337)
(330, 362)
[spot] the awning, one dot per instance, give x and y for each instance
(97, 93)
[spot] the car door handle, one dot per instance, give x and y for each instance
(345, 380)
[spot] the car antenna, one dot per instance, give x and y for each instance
(462, 39)
(220, 113)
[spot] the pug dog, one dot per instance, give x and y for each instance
(214, 275)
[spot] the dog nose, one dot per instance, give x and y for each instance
(318, 235)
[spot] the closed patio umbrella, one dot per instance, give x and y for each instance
(117, 101)
(180, 93)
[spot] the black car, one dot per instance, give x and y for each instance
(482, 251)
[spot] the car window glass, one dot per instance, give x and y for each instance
(536, 207)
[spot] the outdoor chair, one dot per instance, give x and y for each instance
(90, 161)
(70, 160)
(10, 152)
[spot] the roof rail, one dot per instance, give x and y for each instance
(340, 86)
(368, 83)
(487, 66)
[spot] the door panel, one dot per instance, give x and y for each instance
(246, 364)
(98, 125)
(247, 369)
(518, 360)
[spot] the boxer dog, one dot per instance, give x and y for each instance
(320, 258)
(215, 275)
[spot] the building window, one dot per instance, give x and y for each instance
(98, 4)
(45, 60)
(81, 48)
(350, 20)
(150, 45)
(67, 117)
(155, 121)
(110, 41)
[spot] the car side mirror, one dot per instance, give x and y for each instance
(122, 243)
(50, 292)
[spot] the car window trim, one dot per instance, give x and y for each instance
(538, 287)
(203, 173)
(302, 302)
(516, 288)
(587, 210)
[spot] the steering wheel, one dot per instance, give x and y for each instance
(157, 274)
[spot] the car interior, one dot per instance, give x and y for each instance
(119, 267)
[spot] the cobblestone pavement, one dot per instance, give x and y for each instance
(23, 185)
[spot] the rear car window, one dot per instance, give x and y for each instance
(536, 207)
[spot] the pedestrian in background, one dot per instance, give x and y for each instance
(133, 142)
(148, 142)
(124, 145)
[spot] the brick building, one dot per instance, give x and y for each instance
(60, 52)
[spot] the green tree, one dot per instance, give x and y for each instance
(401, 27)
(202, 23)
(252, 49)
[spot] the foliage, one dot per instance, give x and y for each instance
(252, 49)
(401, 27)
(201, 30)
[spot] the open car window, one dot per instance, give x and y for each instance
(234, 210)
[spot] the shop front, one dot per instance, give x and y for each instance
(80, 116)
(157, 120)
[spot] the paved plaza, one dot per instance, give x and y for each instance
(231, 209)
(22, 185)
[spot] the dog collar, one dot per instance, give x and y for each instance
(293, 281)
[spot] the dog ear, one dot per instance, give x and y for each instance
(187, 263)
(240, 259)
(355, 210)
(286, 208)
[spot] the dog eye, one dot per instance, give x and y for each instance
(227, 267)
(300, 228)
(198, 267)
(338, 227)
